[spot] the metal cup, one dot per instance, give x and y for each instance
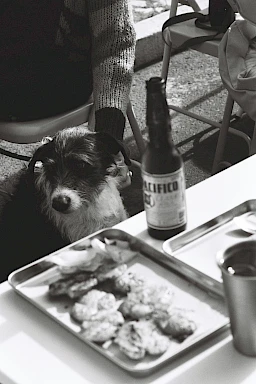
(238, 268)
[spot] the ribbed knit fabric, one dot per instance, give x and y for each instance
(103, 31)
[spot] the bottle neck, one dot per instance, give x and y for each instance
(159, 136)
(158, 120)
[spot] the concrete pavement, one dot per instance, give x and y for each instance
(150, 45)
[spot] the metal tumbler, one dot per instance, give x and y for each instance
(238, 267)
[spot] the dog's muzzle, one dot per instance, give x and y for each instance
(64, 200)
(61, 203)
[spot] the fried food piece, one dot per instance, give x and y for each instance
(81, 312)
(99, 299)
(110, 316)
(102, 326)
(80, 288)
(92, 297)
(120, 252)
(176, 323)
(91, 303)
(99, 331)
(136, 338)
(61, 286)
(157, 344)
(144, 299)
(110, 271)
(135, 310)
(108, 301)
(129, 342)
(152, 339)
(127, 281)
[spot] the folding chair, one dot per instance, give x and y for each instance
(174, 37)
(33, 131)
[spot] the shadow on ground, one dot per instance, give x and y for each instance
(205, 143)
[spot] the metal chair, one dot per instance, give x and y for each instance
(33, 131)
(175, 36)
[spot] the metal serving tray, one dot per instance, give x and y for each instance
(194, 252)
(32, 282)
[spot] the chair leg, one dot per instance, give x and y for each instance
(223, 134)
(167, 47)
(91, 118)
(253, 142)
(135, 129)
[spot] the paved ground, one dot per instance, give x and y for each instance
(143, 9)
(149, 16)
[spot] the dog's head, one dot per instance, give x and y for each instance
(73, 167)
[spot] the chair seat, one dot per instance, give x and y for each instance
(27, 132)
(179, 33)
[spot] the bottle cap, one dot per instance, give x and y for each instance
(155, 83)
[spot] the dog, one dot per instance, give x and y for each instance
(69, 190)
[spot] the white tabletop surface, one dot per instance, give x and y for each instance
(36, 350)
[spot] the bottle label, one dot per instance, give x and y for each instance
(164, 199)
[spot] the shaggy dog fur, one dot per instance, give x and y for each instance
(69, 190)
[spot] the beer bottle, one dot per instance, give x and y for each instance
(162, 168)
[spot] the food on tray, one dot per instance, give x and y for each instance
(79, 288)
(73, 260)
(91, 303)
(92, 298)
(61, 286)
(115, 304)
(91, 254)
(102, 326)
(136, 338)
(110, 271)
(107, 301)
(175, 322)
(97, 311)
(81, 312)
(99, 331)
(128, 281)
(144, 299)
(120, 252)
(111, 316)
(78, 284)
(129, 342)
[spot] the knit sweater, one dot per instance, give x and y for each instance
(103, 31)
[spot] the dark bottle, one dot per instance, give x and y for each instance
(162, 169)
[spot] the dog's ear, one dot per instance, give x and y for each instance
(40, 153)
(46, 140)
(113, 145)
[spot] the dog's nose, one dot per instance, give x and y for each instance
(61, 203)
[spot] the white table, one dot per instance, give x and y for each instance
(35, 350)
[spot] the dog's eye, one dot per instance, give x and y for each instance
(78, 165)
(82, 166)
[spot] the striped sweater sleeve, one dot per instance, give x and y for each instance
(113, 52)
